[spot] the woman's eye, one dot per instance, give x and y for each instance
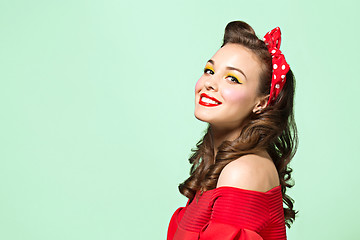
(234, 79)
(208, 71)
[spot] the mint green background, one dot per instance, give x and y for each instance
(97, 112)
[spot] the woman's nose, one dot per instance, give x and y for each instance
(211, 84)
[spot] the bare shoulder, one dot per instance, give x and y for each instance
(251, 172)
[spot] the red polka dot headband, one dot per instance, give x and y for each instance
(280, 67)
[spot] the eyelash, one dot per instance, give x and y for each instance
(208, 69)
(234, 78)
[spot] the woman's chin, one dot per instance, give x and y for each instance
(201, 118)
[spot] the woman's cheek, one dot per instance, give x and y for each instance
(198, 85)
(234, 95)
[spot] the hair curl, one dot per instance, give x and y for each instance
(273, 129)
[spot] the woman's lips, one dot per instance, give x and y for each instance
(208, 101)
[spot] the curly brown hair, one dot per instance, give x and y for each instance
(273, 129)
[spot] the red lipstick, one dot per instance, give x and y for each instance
(207, 104)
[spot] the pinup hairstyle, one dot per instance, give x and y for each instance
(273, 129)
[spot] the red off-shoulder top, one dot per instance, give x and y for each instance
(229, 213)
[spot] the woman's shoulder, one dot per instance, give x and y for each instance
(255, 172)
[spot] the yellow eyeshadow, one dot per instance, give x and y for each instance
(233, 75)
(209, 67)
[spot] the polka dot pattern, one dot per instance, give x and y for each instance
(272, 40)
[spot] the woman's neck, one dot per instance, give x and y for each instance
(219, 135)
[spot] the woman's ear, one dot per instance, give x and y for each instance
(261, 104)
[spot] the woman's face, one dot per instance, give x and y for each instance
(230, 80)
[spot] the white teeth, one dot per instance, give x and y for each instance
(207, 100)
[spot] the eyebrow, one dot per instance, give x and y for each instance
(230, 68)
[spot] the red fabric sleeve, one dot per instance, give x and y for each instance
(223, 231)
(237, 214)
(175, 219)
(174, 222)
(229, 213)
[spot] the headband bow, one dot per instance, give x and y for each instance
(272, 40)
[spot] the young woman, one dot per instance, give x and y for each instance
(240, 171)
